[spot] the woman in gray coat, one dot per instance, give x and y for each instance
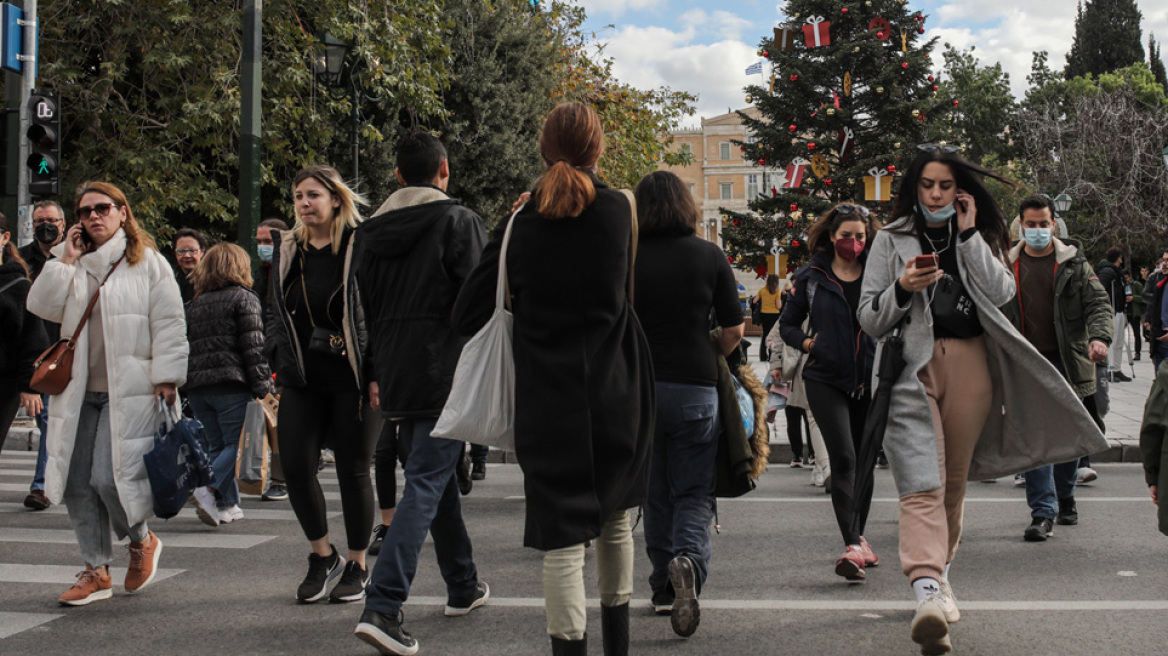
(975, 400)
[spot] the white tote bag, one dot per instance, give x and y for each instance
(481, 405)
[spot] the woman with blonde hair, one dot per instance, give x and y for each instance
(315, 332)
(226, 370)
(584, 395)
(131, 352)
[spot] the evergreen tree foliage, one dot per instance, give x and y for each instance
(891, 102)
(1156, 62)
(1107, 38)
(986, 110)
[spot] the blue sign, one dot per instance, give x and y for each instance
(12, 38)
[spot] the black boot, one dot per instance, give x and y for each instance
(570, 647)
(614, 623)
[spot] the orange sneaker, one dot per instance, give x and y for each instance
(143, 562)
(92, 585)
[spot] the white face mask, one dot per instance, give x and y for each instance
(940, 216)
(1037, 238)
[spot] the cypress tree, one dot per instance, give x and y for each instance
(1156, 63)
(1107, 38)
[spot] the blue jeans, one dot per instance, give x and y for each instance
(1047, 484)
(429, 503)
(42, 422)
(222, 418)
(680, 503)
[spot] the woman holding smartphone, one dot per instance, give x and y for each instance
(131, 352)
(937, 272)
(838, 364)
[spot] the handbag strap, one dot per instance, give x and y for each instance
(502, 286)
(636, 230)
(92, 302)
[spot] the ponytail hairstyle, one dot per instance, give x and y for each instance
(345, 216)
(10, 252)
(137, 239)
(571, 143)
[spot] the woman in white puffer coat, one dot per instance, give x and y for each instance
(132, 351)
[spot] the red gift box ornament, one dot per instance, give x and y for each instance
(846, 144)
(795, 171)
(817, 32)
(794, 207)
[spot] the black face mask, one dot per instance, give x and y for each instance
(47, 233)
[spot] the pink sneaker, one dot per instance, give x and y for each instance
(870, 557)
(851, 564)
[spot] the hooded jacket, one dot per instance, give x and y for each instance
(1082, 312)
(1111, 277)
(22, 334)
(412, 259)
(1154, 446)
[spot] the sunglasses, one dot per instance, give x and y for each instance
(932, 147)
(102, 210)
(848, 208)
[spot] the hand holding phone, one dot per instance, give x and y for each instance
(925, 262)
(76, 244)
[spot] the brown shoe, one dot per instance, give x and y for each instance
(36, 500)
(92, 585)
(143, 562)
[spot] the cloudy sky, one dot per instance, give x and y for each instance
(704, 46)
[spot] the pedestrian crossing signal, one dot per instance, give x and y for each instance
(44, 144)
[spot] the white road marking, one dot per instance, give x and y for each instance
(858, 605)
(201, 540)
(66, 574)
(261, 513)
(13, 623)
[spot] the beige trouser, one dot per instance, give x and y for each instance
(563, 577)
(957, 381)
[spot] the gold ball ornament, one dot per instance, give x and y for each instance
(879, 89)
(896, 145)
(749, 99)
(831, 111)
(851, 181)
(915, 112)
(856, 49)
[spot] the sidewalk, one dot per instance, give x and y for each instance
(1122, 420)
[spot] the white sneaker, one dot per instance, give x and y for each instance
(1019, 480)
(949, 603)
(930, 630)
(819, 475)
(205, 506)
(1085, 475)
(327, 455)
(230, 514)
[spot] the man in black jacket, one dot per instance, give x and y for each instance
(1110, 272)
(411, 260)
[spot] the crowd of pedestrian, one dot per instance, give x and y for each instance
(994, 355)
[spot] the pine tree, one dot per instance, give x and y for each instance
(1156, 63)
(1107, 38)
(854, 108)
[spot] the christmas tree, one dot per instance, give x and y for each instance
(850, 95)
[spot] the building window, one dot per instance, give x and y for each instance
(727, 190)
(685, 149)
(691, 189)
(725, 148)
(752, 186)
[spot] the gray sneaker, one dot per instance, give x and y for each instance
(930, 630)
(685, 614)
(949, 603)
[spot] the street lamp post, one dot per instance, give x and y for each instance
(1062, 204)
(712, 230)
(332, 71)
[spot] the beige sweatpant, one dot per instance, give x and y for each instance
(563, 577)
(957, 382)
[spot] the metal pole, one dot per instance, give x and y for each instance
(250, 120)
(27, 84)
(356, 115)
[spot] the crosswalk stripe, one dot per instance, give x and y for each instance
(1076, 605)
(66, 574)
(13, 623)
(202, 540)
(265, 514)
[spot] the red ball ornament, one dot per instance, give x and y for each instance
(730, 259)
(930, 78)
(920, 30)
(811, 146)
(892, 168)
(794, 78)
(934, 87)
(762, 162)
(955, 103)
(735, 223)
(882, 35)
(844, 10)
(904, 64)
(795, 243)
(790, 224)
(793, 128)
(794, 207)
(765, 53)
(827, 181)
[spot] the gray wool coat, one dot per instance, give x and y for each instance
(1035, 418)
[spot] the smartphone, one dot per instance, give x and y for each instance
(86, 240)
(923, 262)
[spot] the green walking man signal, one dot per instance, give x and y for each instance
(44, 144)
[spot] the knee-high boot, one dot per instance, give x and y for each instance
(614, 623)
(561, 647)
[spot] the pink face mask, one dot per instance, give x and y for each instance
(849, 248)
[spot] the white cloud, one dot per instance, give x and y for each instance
(726, 25)
(616, 8)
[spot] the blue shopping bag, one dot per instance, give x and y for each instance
(177, 464)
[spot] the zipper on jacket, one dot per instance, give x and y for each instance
(857, 387)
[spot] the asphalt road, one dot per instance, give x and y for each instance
(1096, 588)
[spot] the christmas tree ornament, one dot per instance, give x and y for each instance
(730, 259)
(877, 185)
(851, 182)
(904, 65)
(844, 10)
(793, 127)
(846, 144)
(795, 171)
(762, 162)
(795, 243)
(827, 181)
(921, 30)
(749, 100)
(790, 224)
(847, 84)
(867, 3)
(921, 118)
(892, 168)
(760, 271)
(896, 145)
(916, 113)
(934, 88)
(734, 223)
(760, 52)
(831, 111)
(765, 53)
(955, 102)
(819, 165)
(771, 90)
(856, 49)
(903, 40)
(931, 78)
(794, 77)
(811, 146)
(882, 28)
(774, 192)
(817, 32)
(879, 89)
(784, 39)
(794, 207)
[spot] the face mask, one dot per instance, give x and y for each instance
(47, 233)
(849, 248)
(265, 251)
(1037, 238)
(940, 216)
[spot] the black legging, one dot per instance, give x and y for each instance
(796, 421)
(306, 418)
(768, 322)
(841, 422)
(9, 406)
(392, 447)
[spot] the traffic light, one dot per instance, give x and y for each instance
(44, 145)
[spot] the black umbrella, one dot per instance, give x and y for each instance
(890, 367)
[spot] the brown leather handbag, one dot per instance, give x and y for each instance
(54, 369)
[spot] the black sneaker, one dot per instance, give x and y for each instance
(321, 571)
(1120, 377)
(275, 492)
(378, 539)
(1039, 530)
(463, 473)
(478, 471)
(663, 602)
(385, 633)
(459, 606)
(685, 614)
(351, 587)
(1068, 514)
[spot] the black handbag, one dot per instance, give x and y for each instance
(953, 308)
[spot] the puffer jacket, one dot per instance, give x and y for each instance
(226, 336)
(22, 334)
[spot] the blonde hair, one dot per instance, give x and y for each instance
(346, 216)
(572, 139)
(223, 264)
(137, 239)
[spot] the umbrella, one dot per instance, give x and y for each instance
(888, 371)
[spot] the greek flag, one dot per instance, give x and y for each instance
(754, 69)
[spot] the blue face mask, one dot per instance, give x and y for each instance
(940, 216)
(265, 251)
(1037, 238)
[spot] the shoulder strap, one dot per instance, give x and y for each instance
(636, 234)
(502, 284)
(10, 285)
(93, 302)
